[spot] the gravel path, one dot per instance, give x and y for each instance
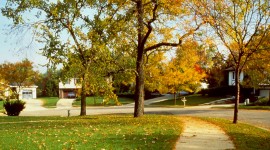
(201, 135)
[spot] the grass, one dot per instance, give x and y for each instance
(192, 100)
(245, 137)
(1, 106)
(97, 101)
(248, 107)
(49, 102)
(90, 132)
(255, 107)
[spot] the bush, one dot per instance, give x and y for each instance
(228, 91)
(78, 98)
(219, 91)
(14, 107)
(261, 102)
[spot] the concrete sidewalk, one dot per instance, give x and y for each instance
(201, 135)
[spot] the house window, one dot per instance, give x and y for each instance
(233, 75)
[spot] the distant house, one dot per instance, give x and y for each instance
(263, 90)
(231, 76)
(69, 88)
(25, 92)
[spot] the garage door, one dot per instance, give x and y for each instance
(27, 94)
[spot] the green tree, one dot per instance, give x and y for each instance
(93, 28)
(242, 27)
(48, 83)
(76, 35)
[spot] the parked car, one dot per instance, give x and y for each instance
(71, 95)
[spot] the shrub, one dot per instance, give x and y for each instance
(219, 91)
(261, 102)
(14, 107)
(228, 90)
(78, 98)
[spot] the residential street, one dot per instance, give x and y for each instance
(254, 117)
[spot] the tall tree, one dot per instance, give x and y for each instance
(242, 27)
(90, 25)
(75, 33)
(160, 25)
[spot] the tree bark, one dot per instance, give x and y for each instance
(139, 90)
(174, 95)
(269, 99)
(83, 98)
(237, 94)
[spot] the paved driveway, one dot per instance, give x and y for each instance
(33, 105)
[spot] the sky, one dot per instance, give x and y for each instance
(17, 45)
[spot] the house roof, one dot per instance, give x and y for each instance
(230, 69)
(30, 86)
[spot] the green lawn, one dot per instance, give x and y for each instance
(244, 136)
(49, 102)
(90, 132)
(192, 100)
(255, 107)
(248, 107)
(97, 101)
(1, 106)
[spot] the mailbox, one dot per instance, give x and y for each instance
(184, 100)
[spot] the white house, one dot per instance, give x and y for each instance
(25, 92)
(263, 90)
(69, 89)
(231, 77)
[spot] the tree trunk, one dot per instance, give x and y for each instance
(269, 99)
(83, 98)
(174, 97)
(139, 91)
(237, 94)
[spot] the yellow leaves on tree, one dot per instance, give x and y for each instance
(184, 72)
